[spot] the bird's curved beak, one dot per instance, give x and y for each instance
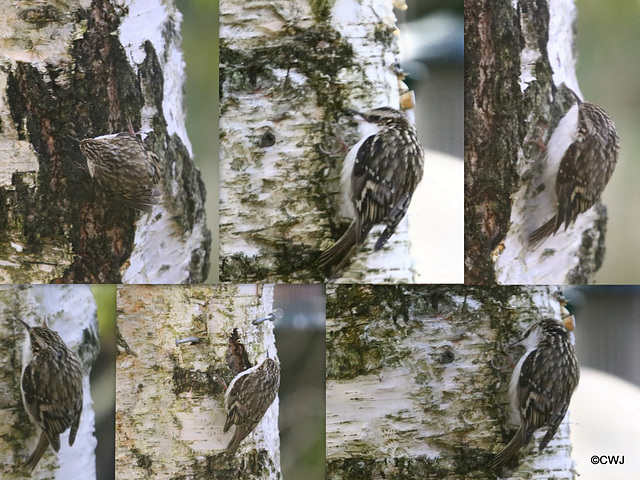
(26, 325)
(358, 116)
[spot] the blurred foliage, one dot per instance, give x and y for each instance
(302, 402)
(105, 297)
(103, 380)
(420, 8)
(300, 339)
(608, 71)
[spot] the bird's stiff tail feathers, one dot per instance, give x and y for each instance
(35, 457)
(544, 231)
(239, 434)
(336, 256)
(144, 203)
(384, 236)
(518, 441)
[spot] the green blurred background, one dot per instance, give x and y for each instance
(300, 339)
(300, 334)
(200, 48)
(103, 381)
(608, 71)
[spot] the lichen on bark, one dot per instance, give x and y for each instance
(60, 227)
(179, 386)
(519, 67)
(417, 375)
(288, 72)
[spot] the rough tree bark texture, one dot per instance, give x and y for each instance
(170, 410)
(519, 64)
(288, 69)
(417, 379)
(70, 310)
(83, 69)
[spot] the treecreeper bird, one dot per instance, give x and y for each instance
(124, 167)
(379, 174)
(585, 144)
(51, 389)
(247, 399)
(541, 385)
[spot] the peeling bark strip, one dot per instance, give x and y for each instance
(288, 69)
(519, 66)
(174, 392)
(81, 79)
(417, 380)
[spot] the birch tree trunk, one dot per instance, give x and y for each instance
(170, 411)
(70, 311)
(417, 381)
(84, 69)
(288, 69)
(519, 66)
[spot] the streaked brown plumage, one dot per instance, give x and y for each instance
(51, 390)
(541, 385)
(248, 397)
(124, 167)
(381, 173)
(585, 168)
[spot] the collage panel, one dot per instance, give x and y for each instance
(605, 41)
(57, 367)
(341, 142)
(420, 382)
(99, 181)
(549, 143)
(222, 381)
(428, 187)
(432, 364)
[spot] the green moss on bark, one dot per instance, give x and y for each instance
(319, 53)
(96, 93)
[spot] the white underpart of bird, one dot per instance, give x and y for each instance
(235, 379)
(562, 137)
(366, 129)
(530, 343)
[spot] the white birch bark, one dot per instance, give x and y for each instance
(417, 381)
(168, 249)
(570, 256)
(170, 412)
(84, 69)
(288, 70)
(70, 310)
